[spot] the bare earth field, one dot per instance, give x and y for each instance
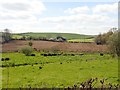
(47, 45)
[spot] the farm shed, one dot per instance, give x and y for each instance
(61, 39)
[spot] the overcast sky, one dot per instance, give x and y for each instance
(91, 17)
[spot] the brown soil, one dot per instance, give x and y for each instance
(47, 45)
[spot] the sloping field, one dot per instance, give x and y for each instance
(47, 45)
(54, 35)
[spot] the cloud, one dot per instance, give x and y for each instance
(106, 8)
(80, 23)
(18, 15)
(83, 22)
(83, 9)
(25, 16)
(15, 6)
(79, 18)
(20, 9)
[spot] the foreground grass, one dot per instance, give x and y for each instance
(58, 71)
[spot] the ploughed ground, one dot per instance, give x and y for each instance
(15, 45)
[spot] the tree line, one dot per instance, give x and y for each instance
(103, 38)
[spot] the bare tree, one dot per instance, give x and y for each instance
(6, 35)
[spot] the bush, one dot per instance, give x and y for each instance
(30, 43)
(26, 50)
(103, 38)
(114, 44)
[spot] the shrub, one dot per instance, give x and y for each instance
(30, 43)
(103, 38)
(26, 50)
(114, 44)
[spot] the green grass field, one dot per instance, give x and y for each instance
(57, 71)
(53, 35)
(16, 36)
(81, 40)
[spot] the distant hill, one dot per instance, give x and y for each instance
(54, 35)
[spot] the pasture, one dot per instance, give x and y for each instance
(52, 35)
(81, 40)
(57, 71)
